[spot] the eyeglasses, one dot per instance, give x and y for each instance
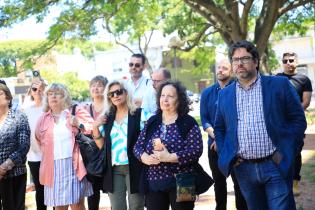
(157, 81)
(34, 89)
(54, 94)
(285, 61)
(137, 65)
(115, 92)
(242, 60)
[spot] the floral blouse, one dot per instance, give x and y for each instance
(188, 151)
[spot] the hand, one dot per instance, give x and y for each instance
(74, 121)
(3, 170)
(157, 144)
(213, 146)
(149, 159)
(102, 119)
(238, 162)
(138, 102)
(163, 155)
(210, 132)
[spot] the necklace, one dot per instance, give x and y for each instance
(169, 119)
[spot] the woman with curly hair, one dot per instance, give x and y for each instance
(169, 144)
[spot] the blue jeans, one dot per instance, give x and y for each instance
(263, 187)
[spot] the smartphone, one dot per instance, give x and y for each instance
(36, 73)
(157, 144)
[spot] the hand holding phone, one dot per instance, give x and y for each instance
(157, 144)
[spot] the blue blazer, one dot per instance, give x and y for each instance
(284, 118)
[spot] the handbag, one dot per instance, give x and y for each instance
(191, 184)
(185, 187)
(203, 180)
(94, 159)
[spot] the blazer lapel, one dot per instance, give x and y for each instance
(131, 127)
(266, 97)
(232, 105)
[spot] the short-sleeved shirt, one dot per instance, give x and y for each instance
(140, 88)
(300, 82)
(149, 100)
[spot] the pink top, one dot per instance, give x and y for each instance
(44, 135)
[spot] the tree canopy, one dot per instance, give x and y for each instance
(197, 22)
(27, 52)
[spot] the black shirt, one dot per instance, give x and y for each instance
(300, 82)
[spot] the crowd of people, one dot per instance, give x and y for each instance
(255, 126)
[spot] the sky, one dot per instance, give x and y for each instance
(30, 29)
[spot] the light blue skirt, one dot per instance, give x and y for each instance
(67, 188)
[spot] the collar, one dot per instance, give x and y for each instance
(254, 83)
(139, 81)
(218, 87)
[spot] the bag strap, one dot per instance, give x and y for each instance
(91, 111)
(74, 109)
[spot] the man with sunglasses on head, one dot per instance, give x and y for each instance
(138, 82)
(149, 99)
(303, 86)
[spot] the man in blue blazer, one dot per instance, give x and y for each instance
(258, 128)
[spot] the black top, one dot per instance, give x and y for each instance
(135, 166)
(300, 82)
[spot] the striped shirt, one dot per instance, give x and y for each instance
(253, 139)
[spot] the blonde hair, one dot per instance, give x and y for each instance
(61, 88)
(109, 106)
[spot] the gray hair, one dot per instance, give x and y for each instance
(58, 87)
(109, 106)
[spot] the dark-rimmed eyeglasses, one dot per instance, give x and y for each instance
(137, 65)
(34, 89)
(115, 92)
(285, 61)
(242, 60)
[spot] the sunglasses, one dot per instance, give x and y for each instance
(285, 61)
(115, 92)
(137, 65)
(34, 89)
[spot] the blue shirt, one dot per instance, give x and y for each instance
(208, 106)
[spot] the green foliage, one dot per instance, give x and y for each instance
(11, 51)
(79, 89)
(202, 57)
(295, 22)
(28, 50)
(198, 23)
(87, 48)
